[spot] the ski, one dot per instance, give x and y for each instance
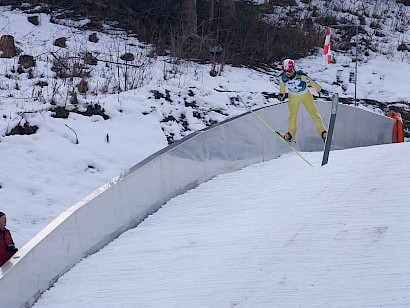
(276, 133)
(328, 141)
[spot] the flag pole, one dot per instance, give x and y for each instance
(355, 75)
(357, 48)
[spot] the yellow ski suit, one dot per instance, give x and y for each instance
(298, 90)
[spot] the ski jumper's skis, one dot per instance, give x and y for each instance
(272, 130)
(328, 141)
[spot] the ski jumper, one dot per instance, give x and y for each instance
(298, 91)
(5, 239)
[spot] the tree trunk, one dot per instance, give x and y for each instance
(227, 9)
(189, 17)
(211, 13)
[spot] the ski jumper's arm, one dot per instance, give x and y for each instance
(282, 86)
(310, 82)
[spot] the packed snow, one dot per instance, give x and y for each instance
(275, 234)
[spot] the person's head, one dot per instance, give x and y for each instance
(289, 67)
(3, 221)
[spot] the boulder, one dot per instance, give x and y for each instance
(93, 38)
(27, 61)
(34, 20)
(127, 57)
(7, 47)
(61, 42)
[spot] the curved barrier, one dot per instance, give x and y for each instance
(129, 198)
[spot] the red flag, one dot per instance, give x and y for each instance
(326, 48)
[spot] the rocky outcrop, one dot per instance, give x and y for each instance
(7, 47)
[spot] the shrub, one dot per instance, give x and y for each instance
(246, 40)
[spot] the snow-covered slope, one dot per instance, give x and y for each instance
(47, 172)
(275, 234)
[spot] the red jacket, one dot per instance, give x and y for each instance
(5, 239)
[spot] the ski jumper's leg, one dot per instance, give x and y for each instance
(309, 103)
(293, 105)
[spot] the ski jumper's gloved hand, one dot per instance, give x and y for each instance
(282, 97)
(323, 92)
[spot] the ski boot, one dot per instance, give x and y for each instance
(324, 135)
(287, 137)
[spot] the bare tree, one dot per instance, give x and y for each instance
(211, 12)
(221, 13)
(189, 17)
(227, 9)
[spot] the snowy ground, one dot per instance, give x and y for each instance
(310, 236)
(275, 234)
(45, 173)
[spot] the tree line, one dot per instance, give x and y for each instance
(228, 31)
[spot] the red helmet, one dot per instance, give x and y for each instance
(288, 66)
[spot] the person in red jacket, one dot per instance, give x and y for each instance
(7, 248)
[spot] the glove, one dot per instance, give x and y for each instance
(282, 97)
(324, 92)
(11, 248)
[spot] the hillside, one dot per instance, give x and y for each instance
(80, 106)
(64, 65)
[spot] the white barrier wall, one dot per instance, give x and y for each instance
(125, 201)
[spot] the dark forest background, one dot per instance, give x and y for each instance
(228, 31)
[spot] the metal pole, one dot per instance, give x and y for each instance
(355, 75)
